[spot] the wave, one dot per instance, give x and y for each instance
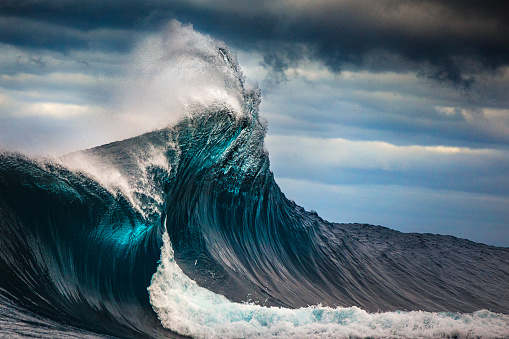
(189, 309)
(184, 231)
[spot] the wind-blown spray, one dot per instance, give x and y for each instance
(184, 231)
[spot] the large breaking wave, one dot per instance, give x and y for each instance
(184, 231)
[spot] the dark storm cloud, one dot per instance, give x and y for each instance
(69, 25)
(450, 41)
(33, 34)
(397, 107)
(376, 73)
(85, 15)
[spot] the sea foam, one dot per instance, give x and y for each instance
(186, 308)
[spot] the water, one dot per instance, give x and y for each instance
(184, 231)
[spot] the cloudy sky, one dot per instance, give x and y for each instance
(387, 112)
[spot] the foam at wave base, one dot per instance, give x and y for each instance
(186, 308)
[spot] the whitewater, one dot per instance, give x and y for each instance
(184, 232)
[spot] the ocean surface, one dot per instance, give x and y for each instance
(184, 231)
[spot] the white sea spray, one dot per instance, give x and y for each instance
(186, 308)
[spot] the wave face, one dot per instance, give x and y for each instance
(230, 223)
(184, 231)
(73, 252)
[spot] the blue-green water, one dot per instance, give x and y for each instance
(184, 231)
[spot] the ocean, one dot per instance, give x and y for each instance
(184, 232)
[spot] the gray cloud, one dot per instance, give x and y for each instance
(104, 96)
(426, 73)
(346, 162)
(397, 107)
(451, 41)
(478, 217)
